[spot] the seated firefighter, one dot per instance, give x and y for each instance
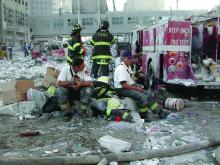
(74, 83)
(137, 74)
(126, 87)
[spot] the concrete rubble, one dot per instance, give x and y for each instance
(195, 123)
(113, 144)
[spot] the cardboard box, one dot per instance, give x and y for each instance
(8, 92)
(22, 87)
(50, 78)
(15, 91)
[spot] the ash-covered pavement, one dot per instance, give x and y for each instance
(197, 122)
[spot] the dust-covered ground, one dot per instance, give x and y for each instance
(199, 121)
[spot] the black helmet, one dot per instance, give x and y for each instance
(76, 28)
(105, 25)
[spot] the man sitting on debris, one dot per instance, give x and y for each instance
(126, 87)
(74, 82)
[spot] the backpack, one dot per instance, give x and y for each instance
(51, 105)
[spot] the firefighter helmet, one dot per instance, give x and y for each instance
(76, 28)
(105, 25)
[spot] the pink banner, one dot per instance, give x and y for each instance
(178, 33)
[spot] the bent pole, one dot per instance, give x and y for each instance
(119, 157)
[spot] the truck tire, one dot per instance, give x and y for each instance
(150, 79)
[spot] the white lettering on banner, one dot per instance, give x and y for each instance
(179, 30)
(179, 42)
(173, 30)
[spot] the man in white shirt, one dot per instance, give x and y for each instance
(126, 87)
(74, 82)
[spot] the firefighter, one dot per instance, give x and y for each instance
(105, 103)
(126, 87)
(75, 48)
(102, 40)
(73, 82)
(137, 74)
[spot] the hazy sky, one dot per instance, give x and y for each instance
(183, 4)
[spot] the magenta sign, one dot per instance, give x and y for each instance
(178, 33)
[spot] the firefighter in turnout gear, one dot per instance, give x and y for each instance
(102, 40)
(147, 101)
(75, 48)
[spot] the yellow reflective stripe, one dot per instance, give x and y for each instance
(104, 79)
(107, 57)
(92, 41)
(81, 51)
(125, 115)
(70, 47)
(143, 110)
(154, 106)
(102, 91)
(108, 111)
(75, 45)
(102, 63)
(113, 40)
(68, 58)
(102, 43)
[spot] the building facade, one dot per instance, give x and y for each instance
(66, 6)
(89, 6)
(132, 5)
(120, 22)
(14, 22)
(44, 7)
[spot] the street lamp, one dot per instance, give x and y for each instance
(98, 12)
(78, 11)
(3, 24)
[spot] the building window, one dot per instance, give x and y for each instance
(58, 23)
(87, 21)
(146, 20)
(117, 20)
(72, 22)
(133, 20)
(45, 24)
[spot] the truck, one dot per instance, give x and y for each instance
(168, 55)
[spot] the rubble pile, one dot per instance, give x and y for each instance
(25, 132)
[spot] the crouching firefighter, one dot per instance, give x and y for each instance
(103, 101)
(75, 48)
(126, 87)
(74, 83)
(102, 40)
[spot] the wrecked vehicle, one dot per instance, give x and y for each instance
(55, 50)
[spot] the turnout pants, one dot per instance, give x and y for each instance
(103, 69)
(66, 96)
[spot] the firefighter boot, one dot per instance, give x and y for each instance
(146, 114)
(163, 113)
(127, 117)
(83, 112)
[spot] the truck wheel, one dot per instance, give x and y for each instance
(151, 80)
